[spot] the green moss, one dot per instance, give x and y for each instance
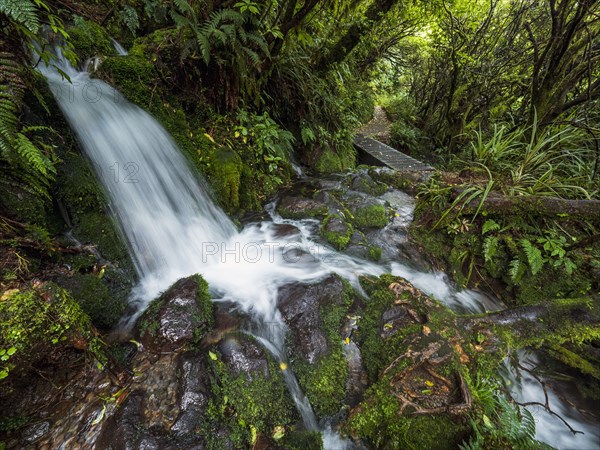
(24, 206)
(95, 299)
(205, 321)
(370, 216)
(324, 382)
(32, 322)
(375, 253)
(90, 39)
(303, 440)
(338, 235)
(131, 75)
(79, 190)
(330, 161)
(247, 405)
(225, 176)
(377, 420)
(100, 229)
(572, 359)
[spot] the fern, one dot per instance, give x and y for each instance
(516, 270)
(490, 225)
(534, 256)
(22, 12)
(490, 248)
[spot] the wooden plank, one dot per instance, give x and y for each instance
(388, 156)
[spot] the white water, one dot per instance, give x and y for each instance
(173, 229)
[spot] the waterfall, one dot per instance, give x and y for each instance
(173, 228)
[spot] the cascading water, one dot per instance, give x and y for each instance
(173, 229)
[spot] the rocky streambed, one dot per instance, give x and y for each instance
(381, 358)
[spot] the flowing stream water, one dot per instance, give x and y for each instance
(174, 229)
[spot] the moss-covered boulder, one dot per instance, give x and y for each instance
(180, 316)
(90, 39)
(315, 314)
(362, 182)
(293, 207)
(249, 396)
(330, 161)
(131, 75)
(86, 205)
(337, 231)
(369, 214)
(41, 321)
(419, 398)
(95, 298)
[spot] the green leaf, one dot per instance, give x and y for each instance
(212, 355)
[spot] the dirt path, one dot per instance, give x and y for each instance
(379, 127)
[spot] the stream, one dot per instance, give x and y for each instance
(173, 229)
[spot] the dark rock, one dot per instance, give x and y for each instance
(285, 230)
(34, 432)
(337, 231)
(364, 183)
(176, 317)
(244, 355)
(300, 304)
(193, 395)
(301, 208)
(394, 319)
(122, 431)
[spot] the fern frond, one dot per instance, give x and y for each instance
(516, 270)
(23, 12)
(534, 256)
(490, 247)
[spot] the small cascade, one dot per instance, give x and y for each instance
(173, 228)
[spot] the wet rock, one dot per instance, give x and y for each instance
(362, 182)
(226, 321)
(244, 355)
(301, 208)
(394, 319)
(284, 230)
(194, 393)
(299, 305)
(34, 432)
(337, 232)
(369, 213)
(180, 315)
(121, 431)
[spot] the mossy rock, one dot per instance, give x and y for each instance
(80, 192)
(181, 316)
(90, 39)
(225, 175)
(369, 216)
(24, 206)
(248, 402)
(364, 183)
(95, 299)
(301, 208)
(40, 321)
(131, 75)
(334, 162)
(375, 253)
(315, 314)
(378, 422)
(337, 231)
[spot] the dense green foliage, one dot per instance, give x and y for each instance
(503, 94)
